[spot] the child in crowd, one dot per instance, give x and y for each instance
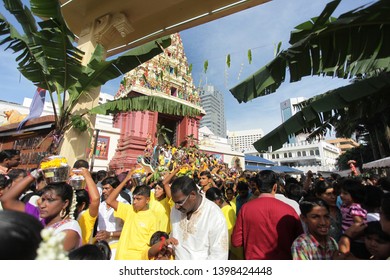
(352, 195)
(316, 244)
(377, 242)
(140, 222)
(161, 246)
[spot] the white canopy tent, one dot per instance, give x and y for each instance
(380, 163)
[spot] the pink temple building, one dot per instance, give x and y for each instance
(166, 75)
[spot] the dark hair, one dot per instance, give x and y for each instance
(87, 252)
(112, 181)
(81, 163)
(15, 173)
(374, 227)
(242, 186)
(20, 235)
(295, 191)
(82, 196)
(184, 184)
(205, 173)
(213, 194)
(372, 198)
(266, 180)
(321, 186)
(105, 248)
(229, 189)
(142, 190)
(384, 183)
(101, 174)
(63, 190)
(385, 206)
(156, 237)
(307, 205)
(8, 154)
(4, 181)
(355, 188)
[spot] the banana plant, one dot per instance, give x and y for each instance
(47, 55)
(354, 43)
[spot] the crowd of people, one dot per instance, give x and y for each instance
(214, 212)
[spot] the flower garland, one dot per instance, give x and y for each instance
(51, 246)
(54, 162)
(73, 205)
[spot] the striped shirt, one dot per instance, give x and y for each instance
(306, 247)
(349, 212)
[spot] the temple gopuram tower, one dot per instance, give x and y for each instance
(166, 75)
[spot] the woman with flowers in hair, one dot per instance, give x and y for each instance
(55, 208)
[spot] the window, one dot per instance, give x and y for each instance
(311, 152)
(299, 154)
(304, 153)
(317, 152)
(173, 91)
(289, 154)
(285, 155)
(273, 156)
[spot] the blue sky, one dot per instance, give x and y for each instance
(259, 29)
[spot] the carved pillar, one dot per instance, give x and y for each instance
(134, 131)
(102, 31)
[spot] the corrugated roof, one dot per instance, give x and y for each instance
(257, 159)
(277, 169)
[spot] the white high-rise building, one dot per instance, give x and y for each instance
(242, 141)
(288, 109)
(213, 103)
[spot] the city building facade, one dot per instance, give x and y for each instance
(219, 147)
(212, 102)
(242, 140)
(318, 156)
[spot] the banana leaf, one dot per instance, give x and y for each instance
(322, 111)
(357, 42)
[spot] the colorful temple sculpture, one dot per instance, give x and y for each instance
(167, 75)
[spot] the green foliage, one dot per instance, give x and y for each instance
(228, 60)
(249, 56)
(162, 132)
(361, 154)
(47, 55)
(277, 48)
(79, 123)
(354, 43)
(205, 66)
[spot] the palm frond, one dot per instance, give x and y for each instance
(323, 111)
(146, 103)
(355, 43)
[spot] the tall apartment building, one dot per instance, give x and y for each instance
(287, 110)
(212, 102)
(242, 140)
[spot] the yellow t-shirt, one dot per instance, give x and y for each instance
(137, 230)
(163, 211)
(233, 204)
(236, 253)
(86, 223)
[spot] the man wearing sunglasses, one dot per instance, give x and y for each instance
(197, 223)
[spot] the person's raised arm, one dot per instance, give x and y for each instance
(10, 199)
(167, 180)
(93, 192)
(111, 199)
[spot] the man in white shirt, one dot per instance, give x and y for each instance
(109, 227)
(197, 223)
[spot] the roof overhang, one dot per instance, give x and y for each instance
(151, 19)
